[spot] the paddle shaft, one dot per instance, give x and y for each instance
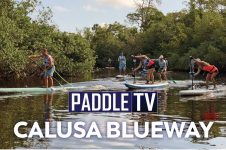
(45, 71)
(134, 66)
(192, 72)
(62, 78)
(170, 76)
(134, 78)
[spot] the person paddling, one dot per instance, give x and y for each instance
(49, 67)
(211, 70)
(147, 64)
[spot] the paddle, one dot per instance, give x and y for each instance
(63, 78)
(171, 79)
(45, 71)
(192, 71)
(134, 66)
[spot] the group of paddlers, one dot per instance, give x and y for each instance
(160, 67)
(152, 65)
(149, 65)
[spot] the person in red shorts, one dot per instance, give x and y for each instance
(211, 70)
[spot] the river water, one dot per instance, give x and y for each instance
(54, 107)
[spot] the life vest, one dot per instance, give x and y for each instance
(145, 62)
(210, 68)
(150, 63)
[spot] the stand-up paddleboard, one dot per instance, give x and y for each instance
(37, 90)
(211, 97)
(201, 92)
(110, 68)
(145, 86)
(196, 92)
(121, 76)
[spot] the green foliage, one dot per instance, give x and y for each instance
(198, 31)
(21, 36)
(110, 40)
(145, 16)
(10, 54)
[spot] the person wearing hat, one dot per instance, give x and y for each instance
(211, 70)
(160, 68)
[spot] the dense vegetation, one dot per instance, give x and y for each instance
(21, 36)
(199, 31)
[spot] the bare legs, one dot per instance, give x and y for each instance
(162, 75)
(45, 82)
(211, 77)
(159, 75)
(150, 75)
(124, 71)
(48, 81)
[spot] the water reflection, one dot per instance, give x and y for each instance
(210, 114)
(209, 110)
(162, 102)
(205, 110)
(48, 108)
(54, 107)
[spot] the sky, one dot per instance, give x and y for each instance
(70, 15)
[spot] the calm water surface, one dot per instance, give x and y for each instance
(54, 107)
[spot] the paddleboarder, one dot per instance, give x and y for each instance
(109, 62)
(160, 67)
(211, 70)
(49, 67)
(147, 64)
(122, 64)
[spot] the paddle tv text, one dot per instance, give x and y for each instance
(113, 102)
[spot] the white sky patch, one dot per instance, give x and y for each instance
(90, 8)
(103, 24)
(71, 14)
(117, 3)
(60, 9)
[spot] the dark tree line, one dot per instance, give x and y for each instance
(21, 36)
(199, 30)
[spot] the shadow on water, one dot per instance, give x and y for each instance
(54, 107)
